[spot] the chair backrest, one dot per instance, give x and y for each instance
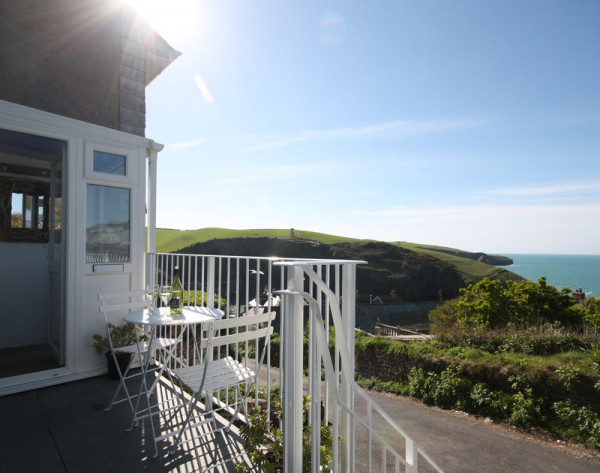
(121, 302)
(248, 328)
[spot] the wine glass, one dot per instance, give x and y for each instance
(166, 292)
(151, 295)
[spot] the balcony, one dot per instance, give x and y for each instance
(314, 299)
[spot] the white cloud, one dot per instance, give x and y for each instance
(545, 190)
(491, 228)
(261, 174)
(397, 128)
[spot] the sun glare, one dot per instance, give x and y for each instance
(170, 19)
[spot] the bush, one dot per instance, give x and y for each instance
(264, 442)
(590, 309)
(577, 422)
(569, 376)
(447, 390)
(540, 341)
(526, 411)
(494, 404)
(495, 304)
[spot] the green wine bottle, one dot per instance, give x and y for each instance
(176, 302)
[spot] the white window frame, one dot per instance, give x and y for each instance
(116, 180)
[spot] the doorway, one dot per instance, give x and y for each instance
(32, 249)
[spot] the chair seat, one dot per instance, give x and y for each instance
(157, 343)
(220, 374)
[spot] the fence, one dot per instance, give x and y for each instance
(322, 292)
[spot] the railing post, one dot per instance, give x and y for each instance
(210, 282)
(346, 392)
(292, 374)
(412, 453)
(152, 165)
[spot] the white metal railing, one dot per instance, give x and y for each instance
(322, 292)
(346, 406)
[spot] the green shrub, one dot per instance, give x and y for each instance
(447, 390)
(569, 376)
(496, 304)
(526, 410)
(590, 309)
(264, 442)
(577, 422)
(486, 402)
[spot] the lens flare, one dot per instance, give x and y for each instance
(332, 29)
(208, 98)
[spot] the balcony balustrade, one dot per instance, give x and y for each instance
(312, 297)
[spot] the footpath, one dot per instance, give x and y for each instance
(461, 443)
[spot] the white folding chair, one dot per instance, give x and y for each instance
(135, 300)
(216, 374)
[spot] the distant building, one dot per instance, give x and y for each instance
(578, 294)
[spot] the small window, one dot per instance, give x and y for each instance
(110, 163)
(107, 224)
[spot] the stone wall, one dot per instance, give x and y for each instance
(381, 364)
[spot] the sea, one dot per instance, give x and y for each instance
(573, 271)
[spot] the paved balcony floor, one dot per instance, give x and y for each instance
(64, 428)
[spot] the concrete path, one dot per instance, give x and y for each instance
(461, 443)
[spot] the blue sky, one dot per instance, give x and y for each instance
(469, 124)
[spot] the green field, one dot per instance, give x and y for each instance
(168, 240)
(464, 265)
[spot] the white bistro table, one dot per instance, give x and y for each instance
(160, 319)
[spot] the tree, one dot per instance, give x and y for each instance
(494, 304)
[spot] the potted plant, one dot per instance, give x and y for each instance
(121, 336)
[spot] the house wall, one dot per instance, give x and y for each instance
(65, 57)
(82, 281)
(24, 283)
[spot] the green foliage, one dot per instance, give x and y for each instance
(495, 304)
(448, 390)
(526, 410)
(122, 336)
(569, 376)
(492, 403)
(540, 341)
(594, 352)
(264, 442)
(577, 422)
(590, 308)
(255, 434)
(467, 267)
(518, 380)
(201, 297)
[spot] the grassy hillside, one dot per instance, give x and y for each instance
(168, 240)
(413, 271)
(463, 265)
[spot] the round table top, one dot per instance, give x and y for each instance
(190, 315)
